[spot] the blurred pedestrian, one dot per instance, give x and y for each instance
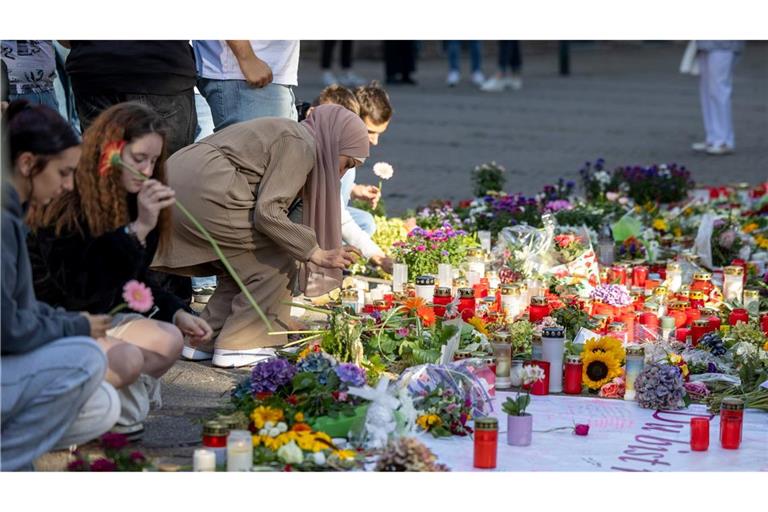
(400, 62)
(476, 59)
(31, 68)
(347, 78)
(510, 66)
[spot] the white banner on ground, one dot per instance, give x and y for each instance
(622, 437)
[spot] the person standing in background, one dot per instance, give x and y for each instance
(348, 78)
(244, 80)
(31, 68)
(510, 64)
(400, 62)
(716, 60)
(454, 55)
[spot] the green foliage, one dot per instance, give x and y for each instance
(516, 406)
(488, 177)
(572, 318)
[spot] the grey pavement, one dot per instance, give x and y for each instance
(625, 102)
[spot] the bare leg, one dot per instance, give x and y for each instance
(125, 361)
(160, 344)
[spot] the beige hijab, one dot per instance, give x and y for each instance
(337, 131)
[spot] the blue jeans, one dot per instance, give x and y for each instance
(204, 118)
(234, 101)
(363, 219)
(454, 54)
(509, 56)
(43, 392)
(47, 98)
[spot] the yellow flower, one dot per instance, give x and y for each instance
(261, 415)
(606, 344)
(427, 421)
(761, 241)
(675, 358)
(599, 368)
(345, 454)
(678, 232)
(765, 347)
(304, 353)
(750, 227)
(479, 325)
(299, 416)
(313, 441)
(660, 224)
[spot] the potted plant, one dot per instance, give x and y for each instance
(519, 422)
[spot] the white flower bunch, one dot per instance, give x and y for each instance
(290, 453)
(532, 374)
(273, 430)
(602, 177)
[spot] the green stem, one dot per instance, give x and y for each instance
(117, 309)
(216, 249)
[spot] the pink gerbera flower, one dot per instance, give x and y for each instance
(138, 296)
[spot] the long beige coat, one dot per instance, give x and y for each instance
(239, 184)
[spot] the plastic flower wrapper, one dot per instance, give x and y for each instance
(466, 378)
(529, 245)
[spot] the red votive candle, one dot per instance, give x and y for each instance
(691, 315)
(540, 387)
(764, 323)
(639, 276)
(441, 298)
(697, 299)
(486, 442)
(738, 315)
(699, 434)
(700, 328)
(619, 275)
(650, 326)
(714, 323)
(681, 333)
(572, 381)
(538, 310)
(731, 420)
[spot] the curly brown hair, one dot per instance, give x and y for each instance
(102, 201)
(374, 103)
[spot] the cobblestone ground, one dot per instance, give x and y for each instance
(626, 103)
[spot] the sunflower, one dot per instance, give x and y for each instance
(479, 325)
(261, 415)
(599, 368)
(606, 344)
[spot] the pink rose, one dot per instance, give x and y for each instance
(613, 389)
(581, 430)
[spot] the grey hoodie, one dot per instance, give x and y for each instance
(26, 323)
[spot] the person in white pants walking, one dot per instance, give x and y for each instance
(716, 60)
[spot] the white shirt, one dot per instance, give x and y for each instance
(215, 60)
(351, 233)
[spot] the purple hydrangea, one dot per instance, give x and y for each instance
(269, 375)
(320, 364)
(612, 294)
(660, 386)
(350, 374)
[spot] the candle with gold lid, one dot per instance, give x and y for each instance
(674, 276)
(733, 283)
(752, 301)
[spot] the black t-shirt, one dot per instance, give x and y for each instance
(134, 67)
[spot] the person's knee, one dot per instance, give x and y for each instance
(127, 361)
(89, 355)
(171, 342)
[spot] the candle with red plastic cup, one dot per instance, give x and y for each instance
(538, 310)
(677, 311)
(572, 381)
(697, 299)
(639, 275)
(764, 323)
(466, 303)
(629, 322)
(692, 314)
(649, 326)
(540, 387)
(702, 282)
(699, 328)
(738, 315)
(486, 442)
(441, 298)
(618, 275)
(699, 434)
(731, 420)
(681, 334)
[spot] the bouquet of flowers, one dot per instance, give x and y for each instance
(488, 177)
(726, 242)
(568, 247)
(630, 249)
(424, 249)
(612, 294)
(665, 183)
(443, 412)
(438, 214)
(596, 181)
(661, 386)
(116, 457)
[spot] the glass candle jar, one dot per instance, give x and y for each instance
(697, 299)
(445, 274)
(667, 327)
(698, 329)
(731, 420)
(677, 311)
(738, 315)
(486, 442)
(239, 451)
(349, 300)
(751, 301)
(516, 373)
(475, 266)
(639, 275)
(674, 277)
(553, 348)
(682, 334)
(502, 351)
(425, 287)
(714, 323)
(733, 283)
(399, 277)
(485, 240)
(536, 347)
(493, 279)
(702, 281)
(510, 301)
(203, 460)
(573, 369)
(466, 303)
(441, 298)
(538, 310)
(634, 366)
(699, 434)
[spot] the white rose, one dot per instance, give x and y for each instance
(319, 458)
(274, 432)
(263, 432)
(269, 425)
(282, 427)
(290, 453)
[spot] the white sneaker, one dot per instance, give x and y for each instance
(329, 78)
(478, 78)
(514, 82)
(193, 354)
(722, 149)
(699, 146)
(247, 357)
(454, 77)
(494, 84)
(351, 79)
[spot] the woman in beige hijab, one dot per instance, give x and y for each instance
(267, 190)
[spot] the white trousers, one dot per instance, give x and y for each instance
(715, 86)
